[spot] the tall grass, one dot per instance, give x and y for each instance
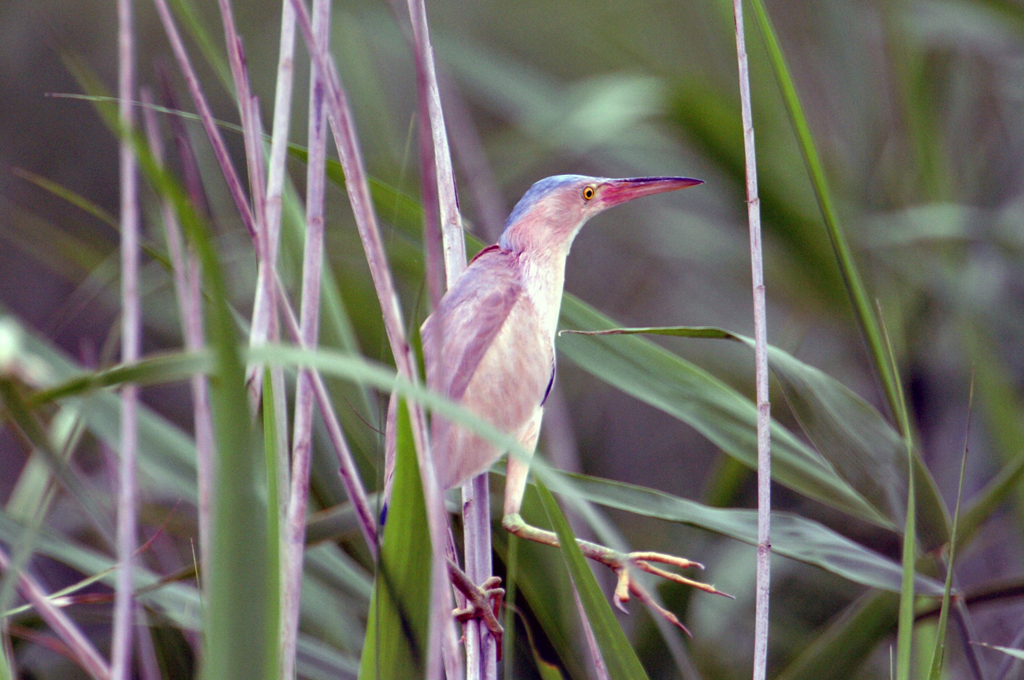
(279, 291)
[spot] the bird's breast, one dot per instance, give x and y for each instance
(543, 280)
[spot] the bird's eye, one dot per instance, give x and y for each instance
(588, 193)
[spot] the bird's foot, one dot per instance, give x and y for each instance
(627, 585)
(482, 601)
(620, 563)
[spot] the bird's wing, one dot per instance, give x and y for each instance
(486, 348)
(462, 329)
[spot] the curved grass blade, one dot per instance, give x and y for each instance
(619, 658)
(859, 298)
(1015, 653)
(667, 382)
(824, 549)
(792, 536)
(60, 191)
(545, 587)
(153, 370)
(829, 550)
(847, 431)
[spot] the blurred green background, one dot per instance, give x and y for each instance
(917, 108)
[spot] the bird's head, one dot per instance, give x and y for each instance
(553, 211)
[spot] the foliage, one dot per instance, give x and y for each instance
(888, 139)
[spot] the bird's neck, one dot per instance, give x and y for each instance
(543, 277)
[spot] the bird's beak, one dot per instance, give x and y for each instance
(617, 191)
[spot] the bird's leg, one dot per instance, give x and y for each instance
(620, 563)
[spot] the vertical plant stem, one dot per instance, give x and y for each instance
(938, 652)
(764, 459)
(279, 134)
(264, 312)
(433, 249)
(353, 485)
(251, 130)
(357, 186)
(481, 647)
(855, 289)
(273, 455)
(220, 150)
(149, 666)
(264, 322)
(905, 622)
(131, 330)
(426, 75)
(263, 316)
(364, 515)
(302, 436)
(78, 644)
(190, 306)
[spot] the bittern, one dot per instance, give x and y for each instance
(490, 346)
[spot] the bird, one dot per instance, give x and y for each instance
(490, 346)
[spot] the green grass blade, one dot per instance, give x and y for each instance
(167, 453)
(1009, 651)
(68, 195)
(236, 618)
(905, 626)
(400, 606)
(940, 630)
(848, 432)
(843, 647)
(26, 421)
(905, 630)
(654, 375)
(859, 298)
(274, 538)
(793, 536)
(153, 370)
(544, 587)
(234, 613)
(634, 499)
(6, 672)
(619, 658)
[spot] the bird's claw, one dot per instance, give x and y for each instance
(626, 585)
(620, 564)
(482, 602)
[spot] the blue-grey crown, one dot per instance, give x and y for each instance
(538, 191)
